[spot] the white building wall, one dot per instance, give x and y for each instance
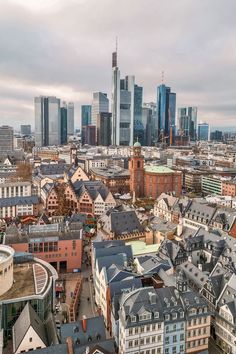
(31, 341)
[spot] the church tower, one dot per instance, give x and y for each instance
(136, 169)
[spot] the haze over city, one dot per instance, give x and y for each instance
(63, 48)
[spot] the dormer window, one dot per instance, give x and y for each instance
(167, 317)
(145, 316)
(174, 316)
(156, 314)
(133, 318)
(182, 314)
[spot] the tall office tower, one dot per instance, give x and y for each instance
(70, 120)
(122, 106)
(217, 135)
(47, 121)
(86, 115)
(147, 125)
(187, 122)
(25, 129)
(104, 129)
(153, 121)
(64, 123)
(203, 131)
(115, 101)
(100, 104)
(90, 135)
(138, 102)
(166, 108)
(139, 129)
(6, 139)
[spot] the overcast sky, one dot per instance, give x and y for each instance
(63, 48)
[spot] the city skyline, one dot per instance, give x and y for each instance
(47, 51)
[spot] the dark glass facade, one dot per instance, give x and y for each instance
(166, 108)
(86, 112)
(63, 125)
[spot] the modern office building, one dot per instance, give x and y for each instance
(150, 121)
(166, 108)
(203, 131)
(104, 129)
(70, 120)
(122, 106)
(6, 139)
(90, 135)
(138, 102)
(25, 129)
(187, 122)
(217, 135)
(47, 121)
(63, 124)
(86, 115)
(100, 104)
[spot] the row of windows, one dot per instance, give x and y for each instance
(197, 332)
(148, 351)
(142, 341)
(197, 343)
(197, 321)
(174, 338)
(143, 329)
(174, 328)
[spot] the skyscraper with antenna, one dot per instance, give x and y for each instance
(122, 105)
(115, 99)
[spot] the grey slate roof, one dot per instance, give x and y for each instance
(199, 211)
(52, 169)
(28, 200)
(122, 222)
(27, 318)
(95, 331)
(105, 346)
(93, 188)
(153, 264)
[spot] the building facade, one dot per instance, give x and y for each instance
(47, 121)
(203, 131)
(166, 108)
(122, 106)
(187, 122)
(100, 104)
(6, 140)
(103, 129)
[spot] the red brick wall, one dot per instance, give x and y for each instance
(155, 184)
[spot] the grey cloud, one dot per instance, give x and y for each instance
(67, 48)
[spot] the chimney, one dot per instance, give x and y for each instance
(84, 323)
(70, 348)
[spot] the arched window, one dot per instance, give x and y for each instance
(138, 164)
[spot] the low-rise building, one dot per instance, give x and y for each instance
(34, 282)
(19, 206)
(117, 179)
(58, 244)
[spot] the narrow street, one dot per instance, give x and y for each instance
(87, 306)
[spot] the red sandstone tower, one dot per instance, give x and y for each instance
(136, 168)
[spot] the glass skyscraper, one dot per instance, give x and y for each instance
(70, 119)
(187, 122)
(63, 125)
(122, 106)
(47, 121)
(166, 108)
(203, 131)
(86, 115)
(100, 104)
